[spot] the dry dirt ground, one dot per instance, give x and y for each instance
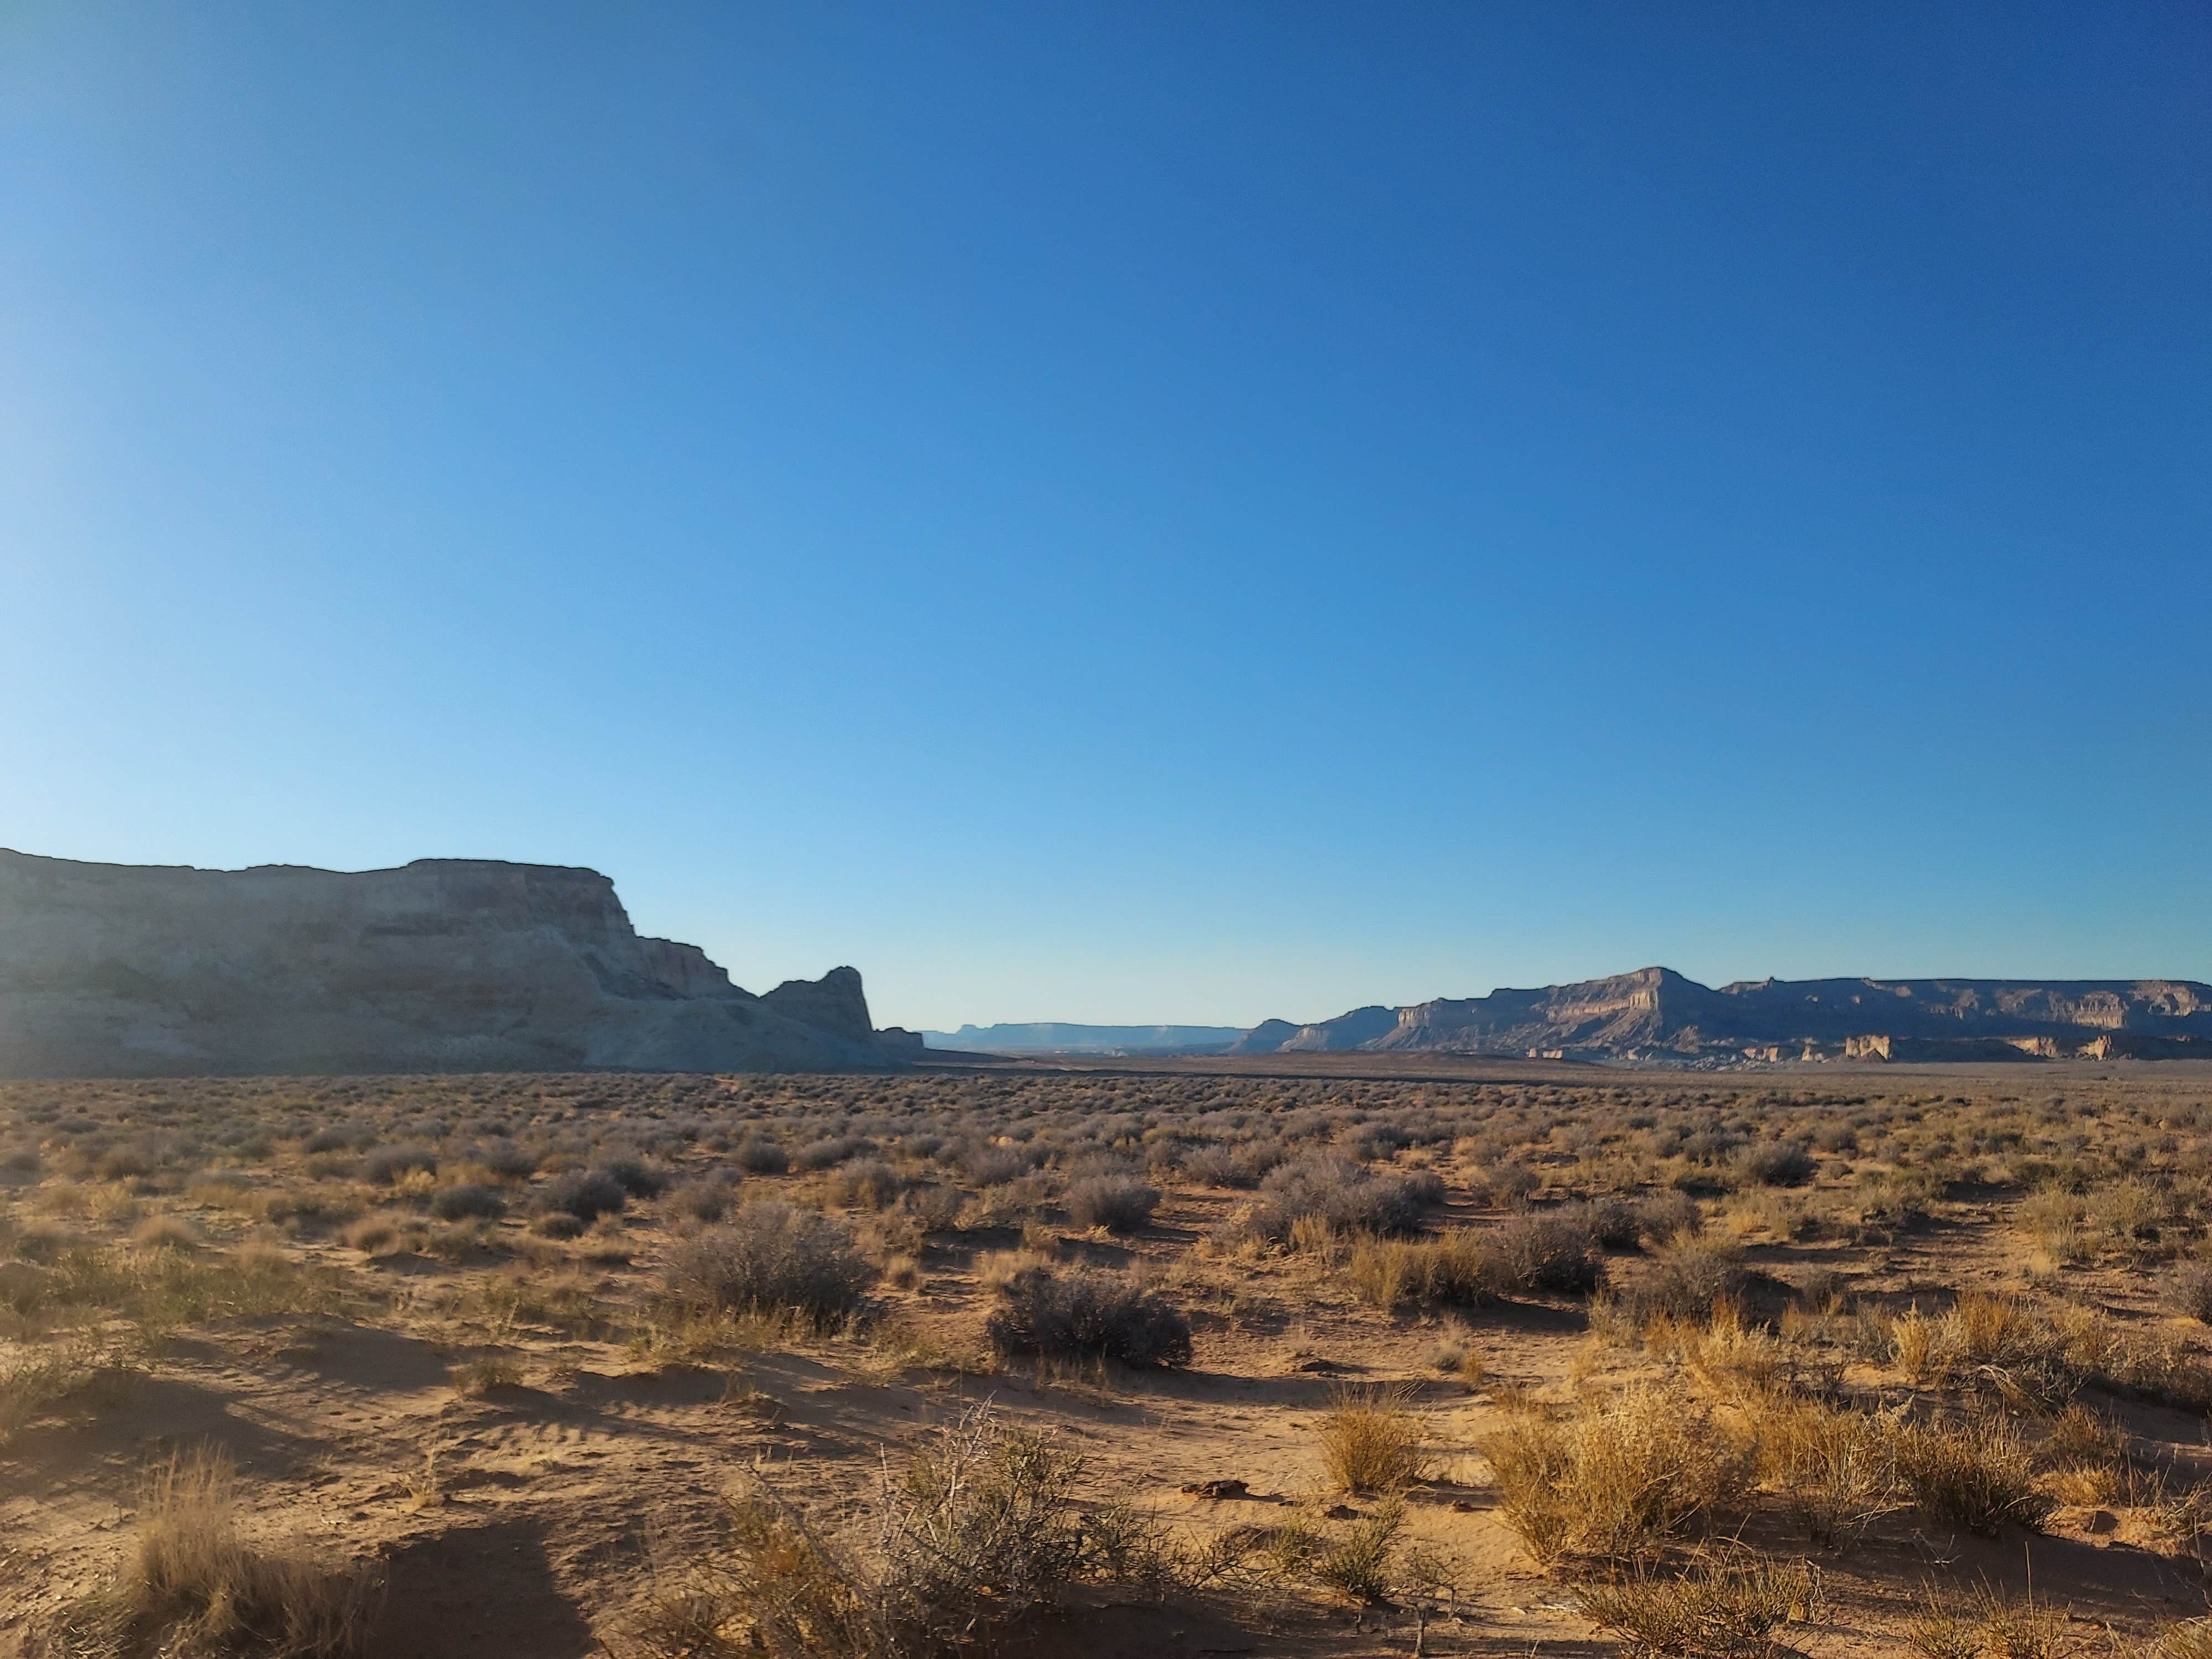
(513, 1420)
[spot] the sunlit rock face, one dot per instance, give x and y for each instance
(446, 964)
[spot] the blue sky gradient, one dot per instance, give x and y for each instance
(1134, 513)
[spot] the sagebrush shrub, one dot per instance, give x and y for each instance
(1082, 1315)
(757, 1155)
(1343, 1196)
(584, 1195)
(1776, 1164)
(769, 1255)
(1120, 1204)
(383, 1165)
(464, 1200)
(1554, 1251)
(867, 1183)
(2191, 1290)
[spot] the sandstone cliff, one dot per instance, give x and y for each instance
(1656, 1013)
(446, 964)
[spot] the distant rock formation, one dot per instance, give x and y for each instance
(447, 964)
(1657, 1014)
(1062, 1037)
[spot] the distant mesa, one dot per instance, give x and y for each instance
(446, 964)
(1655, 1016)
(1059, 1037)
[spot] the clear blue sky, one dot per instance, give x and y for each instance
(1122, 512)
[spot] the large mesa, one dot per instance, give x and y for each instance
(446, 964)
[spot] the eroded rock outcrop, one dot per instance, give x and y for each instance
(1657, 1014)
(444, 964)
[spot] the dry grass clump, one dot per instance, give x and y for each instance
(981, 1532)
(1993, 1626)
(770, 1256)
(1456, 1270)
(164, 1232)
(2189, 1639)
(374, 1235)
(1974, 1472)
(1370, 1441)
(1833, 1469)
(190, 1586)
(1715, 1612)
(1359, 1562)
(1616, 1477)
(1082, 1314)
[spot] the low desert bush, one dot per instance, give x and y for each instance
(1993, 1626)
(36, 1378)
(1775, 1164)
(1243, 1166)
(2189, 1290)
(1556, 1251)
(769, 1256)
(934, 1206)
(383, 1165)
(585, 1195)
(504, 1160)
(1617, 1477)
(1369, 1442)
(1082, 1315)
(191, 1585)
(1342, 1196)
(1120, 1204)
(467, 1200)
(867, 1183)
(2189, 1639)
(480, 1376)
(1358, 1563)
(992, 1166)
(701, 1200)
(757, 1155)
(633, 1175)
(827, 1154)
(1687, 1280)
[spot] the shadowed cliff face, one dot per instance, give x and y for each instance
(446, 964)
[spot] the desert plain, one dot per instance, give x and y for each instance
(1291, 1357)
